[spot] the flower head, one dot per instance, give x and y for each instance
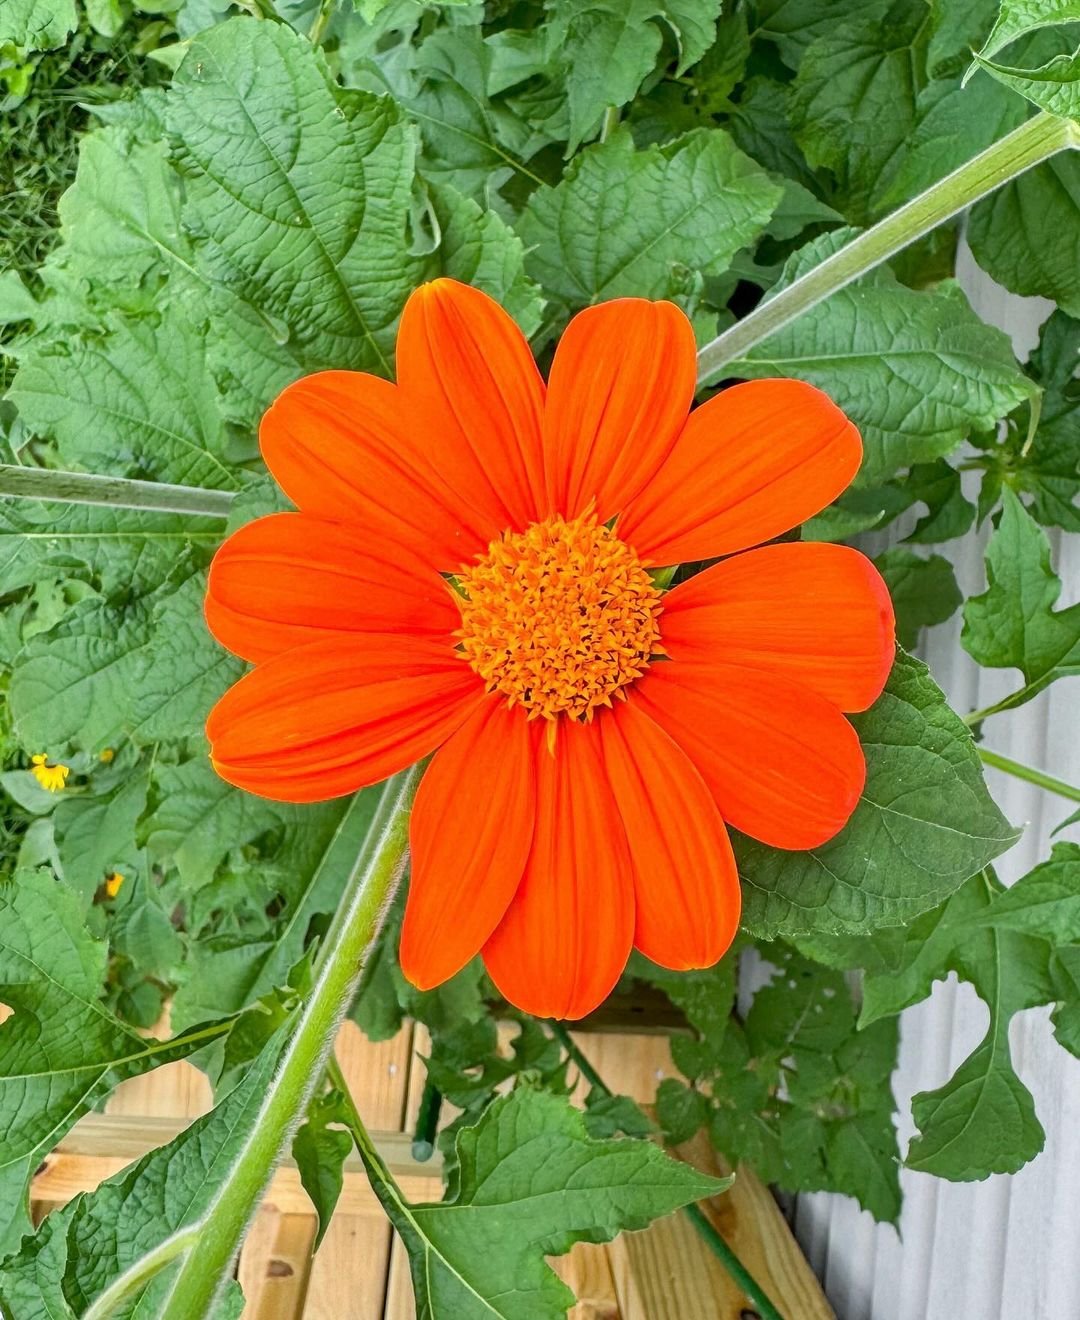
(113, 882)
(470, 574)
(52, 778)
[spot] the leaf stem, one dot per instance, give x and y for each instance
(707, 1231)
(1030, 774)
(1040, 137)
(321, 22)
(712, 1238)
(581, 1062)
(139, 1274)
(34, 483)
(367, 892)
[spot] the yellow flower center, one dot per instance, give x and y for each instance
(559, 618)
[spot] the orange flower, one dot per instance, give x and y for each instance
(593, 732)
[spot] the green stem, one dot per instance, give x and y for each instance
(367, 892)
(140, 1274)
(1027, 772)
(582, 1063)
(322, 20)
(752, 1290)
(1039, 138)
(34, 483)
(1010, 702)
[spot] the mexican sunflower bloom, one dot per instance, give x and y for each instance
(471, 573)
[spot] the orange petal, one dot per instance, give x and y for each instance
(291, 578)
(337, 715)
(342, 445)
(819, 614)
(621, 385)
(686, 885)
(784, 765)
(472, 828)
(476, 397)
(753, 462)
(568, 930)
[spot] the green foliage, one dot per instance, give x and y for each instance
(81, 1249)
(793, 1088)
(62, 1051)
(530, 1183)
(650, 223)
(266, 214)
(1013, 624)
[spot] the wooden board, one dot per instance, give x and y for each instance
(361, 1271)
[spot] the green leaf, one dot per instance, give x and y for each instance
(1048, 473)
(84, 1247)
(917, 371)
(1013, 624)
(1044, 903)
(531, 1184)
(62, 1052)
(119, 551)
(139, 403)
(1054, 86)
(1027, 234)
(925, 823)
(923, 590)
(36, 24)
(1018, 17)
(796, 24)
(320, 1151)
(626, 222)
(854, 106)
(298, 192)
(104, 674)
(97, 836)
(318, 848)
(681, 1111)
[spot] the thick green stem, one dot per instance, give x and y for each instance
(1028, 773)
(368, 891)
(1041, 137)
(707, 1231)
(33, 483)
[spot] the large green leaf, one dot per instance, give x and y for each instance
(530, 1184)
(924, 825)
(1018, 17)
(61, 1051)
(917, 371)
(83, 1248)
(1013, 624)
(626, 222)
(298, 192)
(36, 24)
(1027, 234)
(104, 674)
(138, 403)
(855, 99)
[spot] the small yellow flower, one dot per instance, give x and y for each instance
(50, 777)
(113, 882)
(106, 755)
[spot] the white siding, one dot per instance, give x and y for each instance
(1004, 1247)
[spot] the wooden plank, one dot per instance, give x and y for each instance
(281, 1290)
(586, 1271)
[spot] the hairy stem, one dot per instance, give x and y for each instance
(707, 1231)
(34, 483)
(1041, 137)
(1030, 774)
(368, 890)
